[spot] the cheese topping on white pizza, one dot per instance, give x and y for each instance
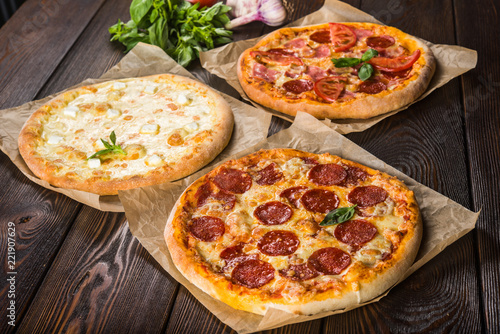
(151, 120)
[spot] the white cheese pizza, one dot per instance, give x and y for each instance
(126, 133)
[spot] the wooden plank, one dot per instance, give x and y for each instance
(482, 124)
(34, 41)
(426, 143)
(42, 219)
(92, 54)
(101, 280)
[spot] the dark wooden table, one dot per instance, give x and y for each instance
(80, 270)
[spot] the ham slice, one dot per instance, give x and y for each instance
(316, 73)
(264, 73)
(322, 51)
(297, 43)
(362, 33)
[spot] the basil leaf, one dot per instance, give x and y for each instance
(112, 136)
(346, 62)
(139, 9)
(369, 54)
(101, 152)
(338, 216)
(109, 148)
(365, 72)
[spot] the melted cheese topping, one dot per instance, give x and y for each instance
(143, 113)
(356, 51)
(242, 226)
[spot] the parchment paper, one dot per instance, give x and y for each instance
(452, 61)
(147, 210)
(251, 124)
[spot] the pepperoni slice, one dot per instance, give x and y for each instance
(298, 86)
(380, 42)
(273, 213)
(234, 255)
(327, 174)
(329, 260)
(207, 228)
(354, 175)
(372, 87)
(367, 196)
(342, 37)
(269, 175)
(309, 161)
(232, 252)
(320, 200)
(233, 180)
(224, 198)
(355, 232)
(253, 273)
(299, 272)
(293, 195)
(321, 36)
(277, 242)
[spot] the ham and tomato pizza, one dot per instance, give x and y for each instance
(336, 70)
(293, 230)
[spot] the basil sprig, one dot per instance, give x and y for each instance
(365, 71)
(338, 216)
(110, 148)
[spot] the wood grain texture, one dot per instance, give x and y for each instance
(42, 219)
(92, 54)
(426, 143)
(34, 41)
(101, 280)
(482, 123)
(190, 316)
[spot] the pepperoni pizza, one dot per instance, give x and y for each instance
(292, 230)
(336, 70)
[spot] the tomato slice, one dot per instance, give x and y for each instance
(274, 58)
(342, 37)
(330, 88)
(395, 64)
(204, 3)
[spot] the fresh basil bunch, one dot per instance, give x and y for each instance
(176, 26)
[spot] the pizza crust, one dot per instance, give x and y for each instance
(202, 148)
(366, 106)
(355, 287)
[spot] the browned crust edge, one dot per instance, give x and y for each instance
(252, 300)
(206, 151)
(366, 107)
